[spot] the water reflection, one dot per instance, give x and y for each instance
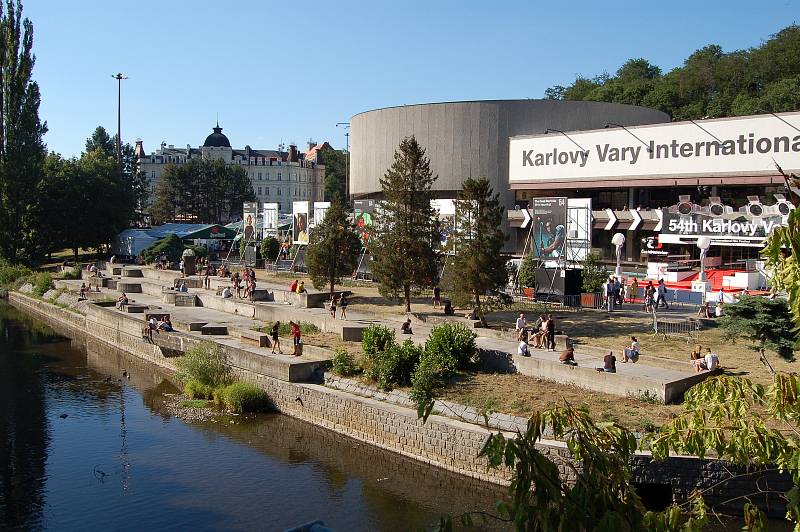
(119, 461)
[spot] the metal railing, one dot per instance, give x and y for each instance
(546, 303)
(677, 328)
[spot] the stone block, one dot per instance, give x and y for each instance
(214, 329)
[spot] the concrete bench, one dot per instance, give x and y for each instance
(134, 308)
(257, 338)
(182, 299)
(214, 329)
(131, 288)
(132, 272)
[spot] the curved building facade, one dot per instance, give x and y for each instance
(471, 139)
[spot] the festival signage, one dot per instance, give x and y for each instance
(548, 227)
(741, 146)
(729, 229)
(363, 211)
(249, 220)
(445, 212)
(270, 217)
(320, 208)
(300, 222)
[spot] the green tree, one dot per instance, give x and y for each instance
(100, 140)
(333, 248)
(781, 252)
(201, 191)
(335, 162)
(765, 322)
(403, 244)
(526, 276)
(22, 149)
(594, 274)
(479, 265)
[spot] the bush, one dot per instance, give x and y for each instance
(171, 245)
(73, 273)
(375, 340)
(270, 248)
(11, 273)
(194, 389)
(450, 347)
(395, 365)
(244, 397)
(204, 363)
(593, 275)
(344, 363)
(199, 251)
(42, 282)
(424, 383)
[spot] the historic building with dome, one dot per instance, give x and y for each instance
(279, 176)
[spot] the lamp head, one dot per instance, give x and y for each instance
(703, 243)
(618, 239)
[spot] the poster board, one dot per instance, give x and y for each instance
(300, 222)
(549, 227)
(270, 217)
(249, 220)
(320, 208)
(363, 213)
(445, 210)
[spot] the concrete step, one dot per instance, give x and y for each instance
(216, 329)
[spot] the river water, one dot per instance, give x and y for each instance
(84, 448)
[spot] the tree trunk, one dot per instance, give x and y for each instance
(407, 292)
(479, 311)
(75, 254)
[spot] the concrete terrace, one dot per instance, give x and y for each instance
(653, 377)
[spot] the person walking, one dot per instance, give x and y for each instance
(634, 290)
(551, 332)
(609, 293)
(343, 306)
(276, 341)
(662, 294)
(207, 278)
(437, 297)
(296, 338)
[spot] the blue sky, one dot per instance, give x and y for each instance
(290, 71)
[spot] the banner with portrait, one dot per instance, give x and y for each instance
(270, 217)
(549, 229)
(300, 222)
(249, 221)
(445, 212)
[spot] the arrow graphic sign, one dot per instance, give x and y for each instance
(527, 215)
(637, 220)
(611, 220)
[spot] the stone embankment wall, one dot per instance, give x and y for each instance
(354, 410)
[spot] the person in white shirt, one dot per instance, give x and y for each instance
(718, 310)
(521, 323)
(523, 349)
(708, 363)
(631, 353)
(226, 292)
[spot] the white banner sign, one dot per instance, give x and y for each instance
(270, 214)
(300, 222)
(742, 146)
(320, 208)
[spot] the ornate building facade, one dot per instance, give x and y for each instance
(277, 176)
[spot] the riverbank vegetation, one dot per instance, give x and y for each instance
(205, 375)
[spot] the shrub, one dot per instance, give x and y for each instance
(42, 282)
(425, 380)
(199, 251)
(11, 273)
(376, 339)
(270, 248)
(593, 275)
(171, 245)
(205, 363)
(73, 273)
(244, 397)
(344, 363)
(526, 275)
(450, 347)
(395, 365)
(194, 389)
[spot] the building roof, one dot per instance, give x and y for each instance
(191, 231)
(312, 152)
(217, 139)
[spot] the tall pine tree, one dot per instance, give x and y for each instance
(403, 247)
(22, 149)
(333, 248)
(479, 265)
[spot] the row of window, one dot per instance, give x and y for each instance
(279, 191)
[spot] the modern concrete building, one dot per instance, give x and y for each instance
(277, 176)
(471, 139)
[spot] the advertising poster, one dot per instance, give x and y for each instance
(270, 217)
(363, 212)
(549, 219)
(445, 220)
(300, 222)
(249, 220)
(320, 208)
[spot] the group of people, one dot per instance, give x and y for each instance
(543, 333)
(246, 280)
(338, 301)
(297, 341)
(156, 325)
(703, 362)
(616, 291)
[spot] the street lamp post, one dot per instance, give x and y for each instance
(347, 161)
(119, 76)
(703, 243)
(618, 240)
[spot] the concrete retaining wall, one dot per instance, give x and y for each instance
(442, 442)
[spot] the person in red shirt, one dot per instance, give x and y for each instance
(295, 336)
(293, 287)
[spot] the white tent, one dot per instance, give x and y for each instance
(132, 242)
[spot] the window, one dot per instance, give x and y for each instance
(153, 174)
(259, 176)
(259, 191)
(279, 176)
(279, 192)
(266, 191)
